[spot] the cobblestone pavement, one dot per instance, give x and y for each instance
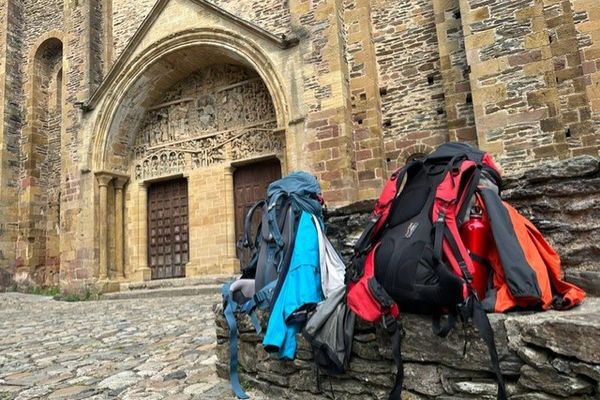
(162, 348)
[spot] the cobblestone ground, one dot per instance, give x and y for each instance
(161, 348)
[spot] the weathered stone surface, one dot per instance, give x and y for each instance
(577, 167)
(175, 375)
(574, 334)
(550, 381)
(423, 379)
(420, 344)
(541, 355)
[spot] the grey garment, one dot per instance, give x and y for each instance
(485, 182)
(330, 331)
(333, 269)
(246, 286)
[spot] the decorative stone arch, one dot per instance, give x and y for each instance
(408, 152)
(225, 42)
(122, 102)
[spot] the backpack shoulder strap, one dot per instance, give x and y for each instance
(382, 208)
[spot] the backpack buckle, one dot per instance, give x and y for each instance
(389, 323)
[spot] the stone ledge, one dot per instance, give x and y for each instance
(549, 355)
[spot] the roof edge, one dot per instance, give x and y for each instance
(282, 41)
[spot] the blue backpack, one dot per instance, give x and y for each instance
(272, 248)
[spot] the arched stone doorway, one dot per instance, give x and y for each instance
(183, 154)
(191, 113)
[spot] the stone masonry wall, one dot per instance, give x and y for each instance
(454, 68)
(326, 96)
(127, 18)
(272, 15)
(543, 356)
(364, 96)
(586, 16)
(12, 123)
(410, 81)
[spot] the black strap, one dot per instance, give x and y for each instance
(396, 337)
(440, 227)
(248, 242)
(479, 259)
(482, 323)
(363, 244)
(455, 250)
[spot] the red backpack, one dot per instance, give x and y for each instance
(411, 256)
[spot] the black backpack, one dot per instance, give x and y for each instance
(411, 256)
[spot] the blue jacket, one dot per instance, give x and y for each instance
(302, 286)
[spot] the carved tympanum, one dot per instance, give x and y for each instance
(190, 129)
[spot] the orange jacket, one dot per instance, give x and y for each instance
(543, 260)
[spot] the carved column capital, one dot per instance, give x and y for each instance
(103, 178)
(120, 182)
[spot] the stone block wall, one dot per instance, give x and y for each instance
(455, 71)
(272, 15)
(11, 77)
(410, 81)
(127, 18)
(543, 356)
(364, 97)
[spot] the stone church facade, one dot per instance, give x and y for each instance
(134, 134)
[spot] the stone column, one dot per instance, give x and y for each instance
(103, 181)
(119, 225)
(327, 146)
(142, 271)
(229, 203)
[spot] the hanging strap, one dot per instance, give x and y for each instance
(396, 332)
(474, 309)
(228, 311)
(249, 308)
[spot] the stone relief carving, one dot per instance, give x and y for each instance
(218, 106)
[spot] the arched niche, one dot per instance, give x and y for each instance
(39, 242)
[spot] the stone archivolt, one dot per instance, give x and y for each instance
(220, 113)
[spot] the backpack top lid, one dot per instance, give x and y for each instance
(447, 151)
(302, 188)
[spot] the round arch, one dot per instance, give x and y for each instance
(155, 65)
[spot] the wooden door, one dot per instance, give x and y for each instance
(168, 250)
(250, 184)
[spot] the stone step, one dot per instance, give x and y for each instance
(163, 292)
(176, 282)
